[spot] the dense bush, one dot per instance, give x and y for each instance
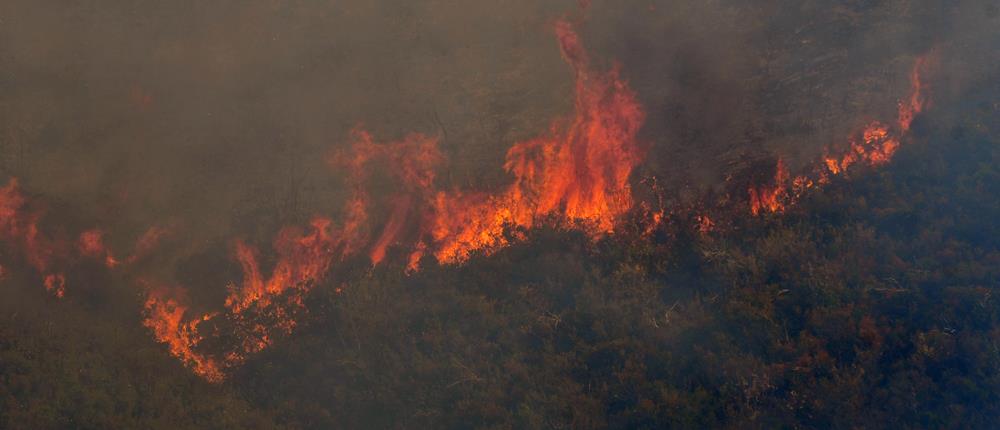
(868, 305)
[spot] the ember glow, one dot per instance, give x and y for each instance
(704, 224)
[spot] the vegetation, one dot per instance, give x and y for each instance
(868, 305)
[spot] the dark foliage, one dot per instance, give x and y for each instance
(869, 305)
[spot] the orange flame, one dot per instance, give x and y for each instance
(303, 261)
(20, 227)
(770, 197)
(165, 317)
(652, 218)
(147, 242)
(577, 174)
(704, 224)
(413, 161)
(915, 104)
(876, 148)
(392, 228)
(55, 284)
(11, 202)
(91, 244)
(877, 145)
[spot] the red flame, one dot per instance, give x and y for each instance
(652, 218)
(303, 259)
(577, 174)
(876, 146)
(11, 202)
(770, 197)
(401, 208)
(147, 242)
(21, 228)
(55, 284)
(412, 162)
(912, 106)
(165, 317)
(91, 244)
(704, 224)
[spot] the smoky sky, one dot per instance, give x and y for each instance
(216, 116)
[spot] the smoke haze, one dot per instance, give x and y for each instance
(177, 141)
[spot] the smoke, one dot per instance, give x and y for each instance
(209, 124)
(215, 114)
(724, 80)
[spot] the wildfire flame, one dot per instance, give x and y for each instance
(578, 173)
(912, 106)
(413, 162)
(19, 227)
(704, 224)
(147, 242)
(91, 244)
(770, 197)
(165, 317)
(258, 307)
(575, 175)
(876, 146)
